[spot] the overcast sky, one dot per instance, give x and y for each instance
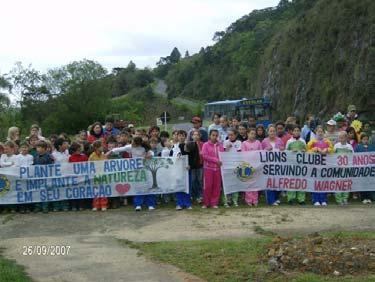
(50, 33)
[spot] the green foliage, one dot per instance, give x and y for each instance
(165, 63)
(10, 271)
(306, 55)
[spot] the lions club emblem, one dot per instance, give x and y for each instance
(4, 185)
(244, 171)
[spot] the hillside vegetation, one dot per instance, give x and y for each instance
(306, 55)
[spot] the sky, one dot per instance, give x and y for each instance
(51, 33)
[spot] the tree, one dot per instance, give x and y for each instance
(175, 56)
(218, 36)
(59, 80)
(153, 165)
(187, 55)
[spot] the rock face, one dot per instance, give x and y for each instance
(322, 255)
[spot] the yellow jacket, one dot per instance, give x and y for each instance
(321, 144)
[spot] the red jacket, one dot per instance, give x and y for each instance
(210, 155)
(76, 158)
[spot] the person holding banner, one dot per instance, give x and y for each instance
(251, 144)
(138, 149)
(42, 158)
(232, 144)
(211, 167)
(342, 147)
(272, 143)
(365, 146)
(98, 155)
(323, 146)
(296, 144)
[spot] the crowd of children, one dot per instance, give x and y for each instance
(342, 134)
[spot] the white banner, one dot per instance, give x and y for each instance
(288, 171)
(110, 178)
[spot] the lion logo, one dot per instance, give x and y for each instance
(244, 171)
(4, 185)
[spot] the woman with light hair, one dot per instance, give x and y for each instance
(14, 134)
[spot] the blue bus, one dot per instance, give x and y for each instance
(260, 108)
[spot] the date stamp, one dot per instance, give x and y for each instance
(45, 250)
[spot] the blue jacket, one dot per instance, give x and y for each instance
(360, 148)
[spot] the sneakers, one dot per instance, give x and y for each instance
(366, 201)
(104, 209)
(94, 209)
(215, 207)
(138, 208)
(324, 204)
(178, 208)
(226, 205)
(235, 205)
(275, 203)
(151, 208)
(316, 204)
(189, 208)
(204, 207)
(278, 202)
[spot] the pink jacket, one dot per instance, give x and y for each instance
(251, 146)
(210, 155)
(279, 144)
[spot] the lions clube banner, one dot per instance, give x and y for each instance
(288, 171)
(110, 178)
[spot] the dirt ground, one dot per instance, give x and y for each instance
(96, 254)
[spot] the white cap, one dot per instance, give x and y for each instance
(331, 122)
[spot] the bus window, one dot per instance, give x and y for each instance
(261, 113)
(244, 113)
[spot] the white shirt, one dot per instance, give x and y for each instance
(137, 152)
(24, 160)
(176, 150)
(234, 146)
(343, 148)
(60, 157)
(7, 161)
(165, 152)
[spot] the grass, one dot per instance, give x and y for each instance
(10, 271)
(233, 260)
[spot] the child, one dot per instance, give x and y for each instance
(212, 174)
(183, 199)
(77, 157)
(242, 132)
(24, 159)
(114, 202)
(296, 144)
(331, 133)
(42, 158)
(323, 146)
(155, 148)
(215, 122)
(272, 143)
(251, 144)
(352, 137)
(224, 124)
(365, 146)
(342, 147)
(193, 150)
(167, 148)
(232, 145)
(139, 149)
(235, 122)
(8, 158)
(98, 155)
(260, 132)
(33, 140)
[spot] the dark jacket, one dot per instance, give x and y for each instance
(44, 159)
(193, 151)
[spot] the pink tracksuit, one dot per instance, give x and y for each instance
(212, 175)
(251, 197)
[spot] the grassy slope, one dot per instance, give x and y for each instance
(232, 260)
(11, 272)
